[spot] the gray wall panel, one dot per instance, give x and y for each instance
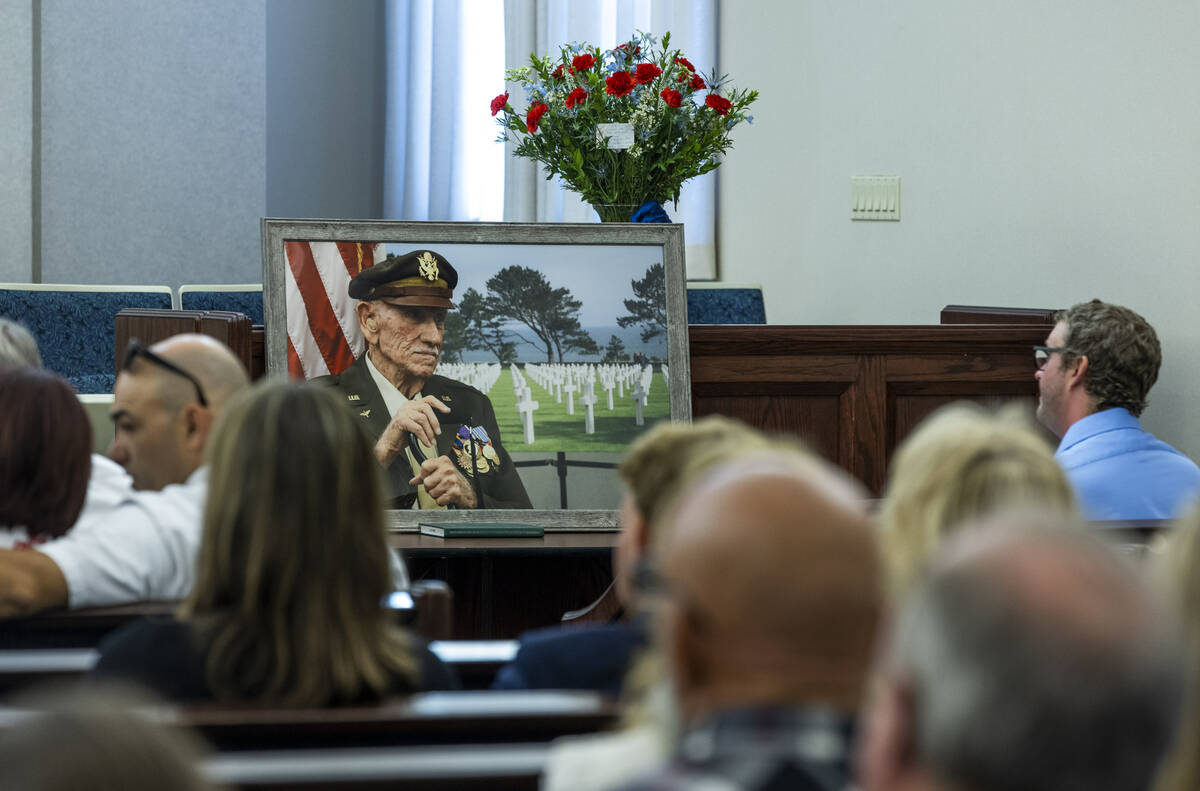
(325, 108)
(16, 139)
(153, 140)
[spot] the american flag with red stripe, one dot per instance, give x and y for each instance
(322, 328)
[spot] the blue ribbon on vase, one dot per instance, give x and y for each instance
(650, 211)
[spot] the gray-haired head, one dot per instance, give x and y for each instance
(17, 346)
(1037, 661)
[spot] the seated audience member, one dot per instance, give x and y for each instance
(1178, 572)
(137, 545)
(597, 656)
(17, 346)
(1028, 659)
(45, 456)
(961, 464)
(1093, 375)
(108, 483)
(99, 742)
(292, 574)
(649, 723)
(770, 596)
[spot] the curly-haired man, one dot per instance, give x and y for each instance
(1093, 375)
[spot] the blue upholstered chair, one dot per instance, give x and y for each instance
(725, 303)
(73, 325)
(246, 298)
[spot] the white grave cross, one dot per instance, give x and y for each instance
(588, 399)
(526, 407)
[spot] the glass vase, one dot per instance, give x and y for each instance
(615, 212)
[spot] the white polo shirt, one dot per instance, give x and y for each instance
(129, 545)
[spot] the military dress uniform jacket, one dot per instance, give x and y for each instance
(471, 421)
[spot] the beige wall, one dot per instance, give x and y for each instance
(1049, 153)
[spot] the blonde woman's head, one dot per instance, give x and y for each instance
(656, 467)
(293, 565)
(962, 464)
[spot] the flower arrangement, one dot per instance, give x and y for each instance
(680, 121)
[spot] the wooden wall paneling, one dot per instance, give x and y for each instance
(868, 423)
(811, 412)
(885, 380)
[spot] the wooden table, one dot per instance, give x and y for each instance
(505, 586)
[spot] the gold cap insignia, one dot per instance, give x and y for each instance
(427, 265)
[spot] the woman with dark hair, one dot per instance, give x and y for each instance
(293, 569)
(45, 456)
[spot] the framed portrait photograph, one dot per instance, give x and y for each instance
(548, 348)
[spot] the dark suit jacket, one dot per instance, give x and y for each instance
(499, 484)
(588, 656)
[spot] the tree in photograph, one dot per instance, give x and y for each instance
(454, 339)
(648, 308)
(525, 296)
(614, 352)
(482, 329)
(568, 335)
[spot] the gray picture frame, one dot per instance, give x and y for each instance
(668, 236)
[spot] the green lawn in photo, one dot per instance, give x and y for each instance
(555, 430)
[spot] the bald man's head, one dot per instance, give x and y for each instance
(160, 425)
(775, 585)
(1032, 659)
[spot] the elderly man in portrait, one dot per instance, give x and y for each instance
(436, 438)
(1030, 659)
(1093, 376)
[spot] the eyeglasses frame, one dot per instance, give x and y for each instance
(137, 349)
(1049, 350)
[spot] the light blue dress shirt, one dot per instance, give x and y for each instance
(1120, 471)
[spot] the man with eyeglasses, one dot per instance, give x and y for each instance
(138, 543)
(1093, 377)
(436, 438)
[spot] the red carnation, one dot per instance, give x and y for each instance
(619, 84)
(499, 102)
(558, 72)
(625, 49)
(672, 98)
(697, 83)
(682, 61)
(583, 62)
(536, 111)
(646, 72)
(576, 97)
(718, 103)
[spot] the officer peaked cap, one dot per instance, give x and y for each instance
(421, 277)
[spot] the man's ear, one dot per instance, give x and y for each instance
(197, 423)
(366, 321)
(1077, 376)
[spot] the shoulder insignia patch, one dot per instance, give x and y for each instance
(353, 397)
(446, 398)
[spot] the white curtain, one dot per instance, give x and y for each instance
(542, 26)
(444, 64)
